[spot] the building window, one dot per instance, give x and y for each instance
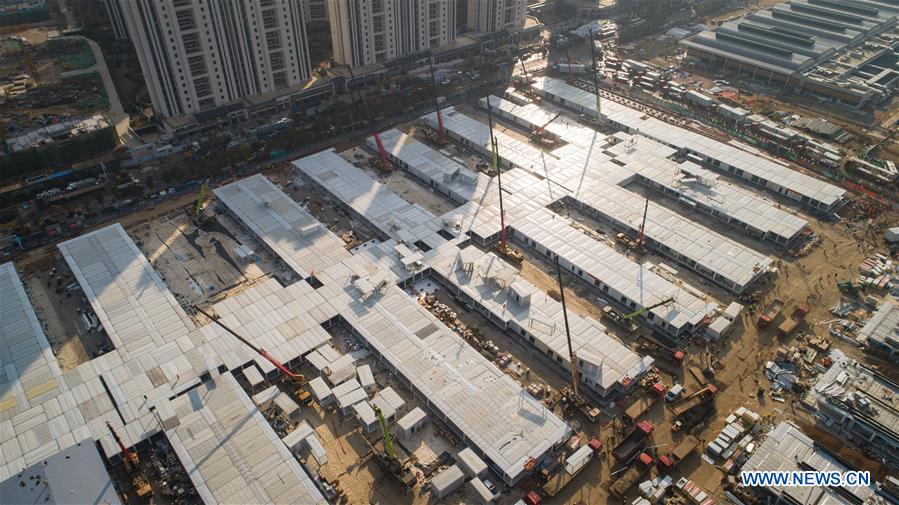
(273, 40)
(186, 20)
(276, 60)
(197, 65)
(269, 20)
(201, 86)
(191, 42)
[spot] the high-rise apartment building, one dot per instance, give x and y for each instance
(494, 15)
(316, 10)
(376, 31)
(116, 18)
(200, 54)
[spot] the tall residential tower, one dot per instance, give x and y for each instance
(201, 54)
(376, 31)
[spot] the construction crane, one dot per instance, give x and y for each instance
(299, 378)
(575, 396)
(570, 73)
(529, 90)
(595, 78)
(385, 161)
(129, 457)
(441, 133)
(537, 134)
(388, 441)
(647, 309)
(642, 225)
(504, 248)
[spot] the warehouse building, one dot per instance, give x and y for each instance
(843, 50)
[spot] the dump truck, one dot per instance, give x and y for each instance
(704, 395)
(771, 312)
(665, 355)
(683, 449)
(640, 407)
(564, 473)
(629, 477)
(633, 443)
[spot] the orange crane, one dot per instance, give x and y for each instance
(385, 161)
(537, 134)
(295, 376)
(504, 248)
(129, 457)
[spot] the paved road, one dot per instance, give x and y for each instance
(116, 113)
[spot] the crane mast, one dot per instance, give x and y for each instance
(371, 123)
(440, 131)
(595, 78)
(575, 373)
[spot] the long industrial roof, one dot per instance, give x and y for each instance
(773, 175)
(540, 315)
(231, 453)
(586, 175)
(795, 35)
(284, 224)
(133, 304)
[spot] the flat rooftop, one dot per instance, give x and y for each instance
(484, 277)
(303, 243)
(787, 449)
(231, 453)
(130, 299)
(773, 175)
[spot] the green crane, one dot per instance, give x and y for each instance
(388, 442)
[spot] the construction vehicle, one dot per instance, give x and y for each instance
(640, 407)
(563, 471)
(633, 443)
(441, 133)
(626, 241)
(503, 247)
(704, 395)
(384, 162)
(528, 91)
(682, 451)
(665, 355)
(771, 312)
(305, 397)
(612, 315)
(631, 475)
(298, 378)
(538, 134)
(400, 469)
(129, 458)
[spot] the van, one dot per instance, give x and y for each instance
(674, 393)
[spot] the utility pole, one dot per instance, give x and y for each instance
(643, 225)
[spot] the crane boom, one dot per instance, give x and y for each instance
(647, 309)
(259, 350)
(371, 123)
(643, 225)
(575, 375)
(440, 130)
(540, 129)
(494, 160)
(128, 457)
(388, 442)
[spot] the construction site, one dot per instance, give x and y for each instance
(542, 295)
